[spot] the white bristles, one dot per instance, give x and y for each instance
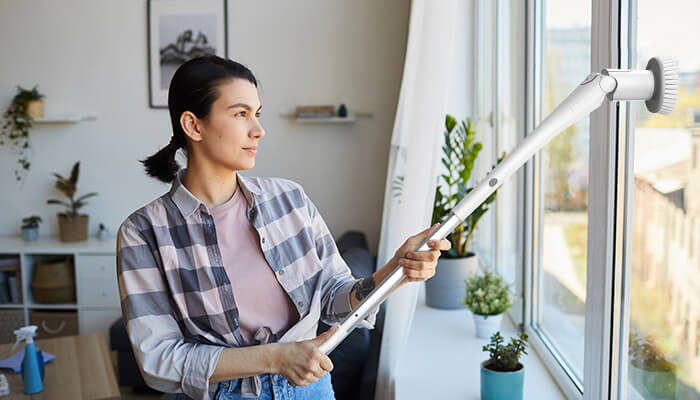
(665, 71)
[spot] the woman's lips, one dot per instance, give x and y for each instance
(251, 149)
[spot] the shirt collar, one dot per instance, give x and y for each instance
(187, 203)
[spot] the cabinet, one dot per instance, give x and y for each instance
(96, 303)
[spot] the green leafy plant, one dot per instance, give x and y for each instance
(460, 152)
(487, 294)
(645, 354)
(505, 358)
(68, 187)
(15, 128)
(31, 222)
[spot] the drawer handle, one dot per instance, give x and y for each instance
(53, 331)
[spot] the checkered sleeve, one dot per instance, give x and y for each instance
(167, 361)
(337, 277)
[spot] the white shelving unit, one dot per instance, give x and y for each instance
(97, 297)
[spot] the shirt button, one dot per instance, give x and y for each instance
(263, 240)
(301, 304)
(226, 385)
(280, 272)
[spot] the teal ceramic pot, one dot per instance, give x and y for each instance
(502, 385)
(30, 234)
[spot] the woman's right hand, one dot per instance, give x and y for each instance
(302, 363)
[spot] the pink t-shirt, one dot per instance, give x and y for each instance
(260, 299)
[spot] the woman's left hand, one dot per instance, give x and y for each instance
(420, 265)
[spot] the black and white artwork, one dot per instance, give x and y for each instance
(178, 31)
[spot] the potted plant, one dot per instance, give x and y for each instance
(26, 105)
(487, 297)
(503, 375)
(102, 233)
(30, 228)
(650, 372)
(72, 225)
(444, 289)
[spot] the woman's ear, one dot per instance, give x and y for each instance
(191, 125)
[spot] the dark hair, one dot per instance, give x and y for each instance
(194, 87)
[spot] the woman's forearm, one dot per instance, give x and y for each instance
(240, 362)
(363, 288)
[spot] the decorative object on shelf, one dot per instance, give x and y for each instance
(25, 106)
(444, 290)
(323, 111)
(54, 281)
(72, 225)
(487, 297)
(102, 233)
(650, 372)
(177, 32)
(30, 228)
(503, 375)
(342, 111)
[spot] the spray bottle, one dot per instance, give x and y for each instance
(33, 362)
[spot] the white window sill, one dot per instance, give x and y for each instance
(443, 355)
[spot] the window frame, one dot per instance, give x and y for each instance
(607, 203)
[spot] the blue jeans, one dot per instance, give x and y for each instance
(276, 387)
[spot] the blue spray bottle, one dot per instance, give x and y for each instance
(33, 362)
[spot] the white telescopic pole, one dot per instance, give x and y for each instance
(588, 96)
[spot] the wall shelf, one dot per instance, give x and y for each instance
(64, 118)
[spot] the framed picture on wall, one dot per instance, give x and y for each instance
(179, 30)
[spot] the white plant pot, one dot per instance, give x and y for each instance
(487, 325)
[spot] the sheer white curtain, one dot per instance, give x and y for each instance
(414, 159)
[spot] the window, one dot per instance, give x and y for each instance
(509, 130)
(484, 108)
(663, 304)
(560, 223)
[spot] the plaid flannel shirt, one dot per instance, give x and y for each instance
(176, 298)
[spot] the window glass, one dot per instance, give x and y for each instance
(562, 184)
(663, 361)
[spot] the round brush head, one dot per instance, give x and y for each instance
(665, 71)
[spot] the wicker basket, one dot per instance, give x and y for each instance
(54, 282)
(11, 320)
(52, 323)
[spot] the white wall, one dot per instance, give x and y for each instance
(90, 56)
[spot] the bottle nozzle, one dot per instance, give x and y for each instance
(26, 333)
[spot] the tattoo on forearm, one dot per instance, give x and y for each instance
(363, 288)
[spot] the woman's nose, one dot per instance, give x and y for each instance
(257, 129)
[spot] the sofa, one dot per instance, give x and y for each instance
(355, 360)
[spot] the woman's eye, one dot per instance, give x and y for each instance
(240, 114)
(257, 115)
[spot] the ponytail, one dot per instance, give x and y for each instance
(162, 165)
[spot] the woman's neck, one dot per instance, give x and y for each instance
(212, 186)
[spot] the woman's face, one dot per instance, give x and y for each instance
(233, 126)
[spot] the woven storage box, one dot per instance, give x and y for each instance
(10, 320)
(54, 323)
(54, 282)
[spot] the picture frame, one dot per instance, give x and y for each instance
(179, 30)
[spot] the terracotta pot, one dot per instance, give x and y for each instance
(35, 108)
(72, 230)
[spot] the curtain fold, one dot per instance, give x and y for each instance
(414, 164)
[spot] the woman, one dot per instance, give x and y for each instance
(224, 279)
